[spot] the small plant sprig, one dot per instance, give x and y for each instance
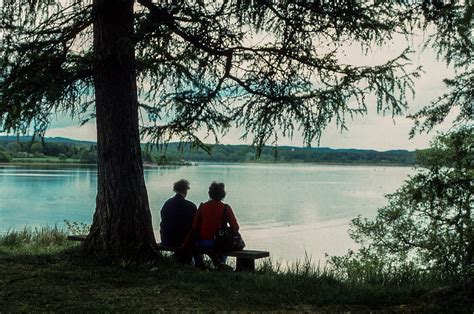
(77, 227)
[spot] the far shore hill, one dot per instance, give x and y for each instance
(183, 153)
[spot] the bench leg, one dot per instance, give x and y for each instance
(245, 264)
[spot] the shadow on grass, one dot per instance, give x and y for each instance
(65, 280)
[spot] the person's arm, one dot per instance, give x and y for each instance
(191, 237)
(164, 213)
(231, 219)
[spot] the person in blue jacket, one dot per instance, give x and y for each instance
(177, 216)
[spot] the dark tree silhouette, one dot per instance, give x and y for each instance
(268, 67)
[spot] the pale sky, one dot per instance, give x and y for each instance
(372, 131)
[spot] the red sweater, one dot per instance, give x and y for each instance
(208, 220)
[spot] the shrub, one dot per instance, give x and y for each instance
(428, 225)
(4, 156)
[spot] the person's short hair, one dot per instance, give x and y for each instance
(217, 191)
(181, 186)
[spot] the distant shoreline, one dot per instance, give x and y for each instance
(197, 163)
(66, 151)
(48, 163)
(328, 163)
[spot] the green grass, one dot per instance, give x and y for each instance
(47, 159)
(38, 240)
(41, 271)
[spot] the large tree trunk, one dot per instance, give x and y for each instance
(122, 226)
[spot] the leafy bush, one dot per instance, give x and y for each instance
(89, 156)
(4, 156)
(77, 227)
(427, 227)
(13, 147)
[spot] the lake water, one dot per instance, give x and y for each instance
(288, 209)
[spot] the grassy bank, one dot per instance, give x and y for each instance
(41, 270)
(47, 159)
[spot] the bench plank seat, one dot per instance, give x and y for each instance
(242, 254)
(76, 237)
(245, 258)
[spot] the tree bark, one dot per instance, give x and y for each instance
(122, 225)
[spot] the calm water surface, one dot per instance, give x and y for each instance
(288, 209)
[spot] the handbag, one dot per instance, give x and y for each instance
(226, 239)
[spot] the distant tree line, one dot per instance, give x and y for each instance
(38, 149)
(176, 154)
(245, 153)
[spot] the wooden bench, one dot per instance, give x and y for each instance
(245, 258)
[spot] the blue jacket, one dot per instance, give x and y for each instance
(176, 220)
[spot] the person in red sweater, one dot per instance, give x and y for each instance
(208, 220)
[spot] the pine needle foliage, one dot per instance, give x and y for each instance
(270, 68)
